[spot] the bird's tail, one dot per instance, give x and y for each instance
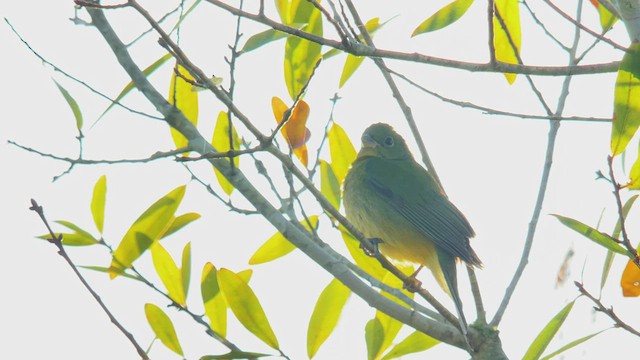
(448, 266)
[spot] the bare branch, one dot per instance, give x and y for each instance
(599, 306)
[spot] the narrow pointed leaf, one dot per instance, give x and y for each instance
(75, 108)
(546, 335)
(163, 328)
(215, 306)
(630, 280)
(182, 96)
(571, 345)
(608, 261)
(607, 19)
(103, 269)
(149, 227)
(278, 246)
(329, 185)
(352, 63)
(300, 55)
(326, 314)
(261, 39)
(98, 202)
(130, 86)
(416, 342)
(373, 335)
(222, 144)
(510, 12)
(179, 222)
(342, 151)
(185, 270)
(168, 272)
(592, 234)
(72, 239)
(391, 326)
(81, 234)
(235, 355)
(245, 275)
(634, 174)
(246, 307)
(626, 102)
(443, 17)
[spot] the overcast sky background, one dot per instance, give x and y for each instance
(490, 167)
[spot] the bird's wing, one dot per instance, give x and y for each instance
(414, 194)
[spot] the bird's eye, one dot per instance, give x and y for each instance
(388, 141)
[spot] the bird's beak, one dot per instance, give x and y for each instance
(368, 142)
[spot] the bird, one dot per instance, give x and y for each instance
(389, 197)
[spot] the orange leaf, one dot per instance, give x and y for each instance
(630, 281)
(295, 130)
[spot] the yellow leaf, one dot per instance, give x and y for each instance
(301, 55)
(443, 17)
(149, 227)
(181, 95)
(163, 328)
(373, 335)
(168, 272)
(278, 246)
(368, 264)
(626, 103)
(245, 306)
(215, 307)
(329, 186)
(510, 13)
(221, 143)
(630, 281)
(98, 202)
(342, 151)
(326, 314)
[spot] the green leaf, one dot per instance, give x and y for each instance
(374, 336)
(342, 151)
(149, 227)
(246, 307)
(329, 185)
(163, 328)
(326, 314)
(571, 345)
(179, 222)
(370, 265)
(168, 272)
(261, 39)
(608, 261)
(220, 142)
(607, 19)
(130, 86)
(245, 275)
(592, 234)
(103, 269)
(235, 355)
(215, 307)
(352, 63)
(415, 342)
(98, 202)
(185, 270)
(443, 17)
(391, 326)
(81, 236)
(626, 102)
(75, 108)
(183, 96)
(300, 55)
(278, 246)
(72, 239)
(546, 335)
(510, 12)
(634, 174)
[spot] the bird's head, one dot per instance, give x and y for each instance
(380, 140)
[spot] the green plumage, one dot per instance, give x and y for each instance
(388, 195)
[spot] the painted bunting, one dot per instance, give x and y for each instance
(389, 196)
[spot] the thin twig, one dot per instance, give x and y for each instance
(599, 306)
(57, 241)
(623, 228)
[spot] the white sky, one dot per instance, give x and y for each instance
(489, 165)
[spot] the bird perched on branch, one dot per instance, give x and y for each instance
(390, 197)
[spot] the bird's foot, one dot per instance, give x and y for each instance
(375, 251)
